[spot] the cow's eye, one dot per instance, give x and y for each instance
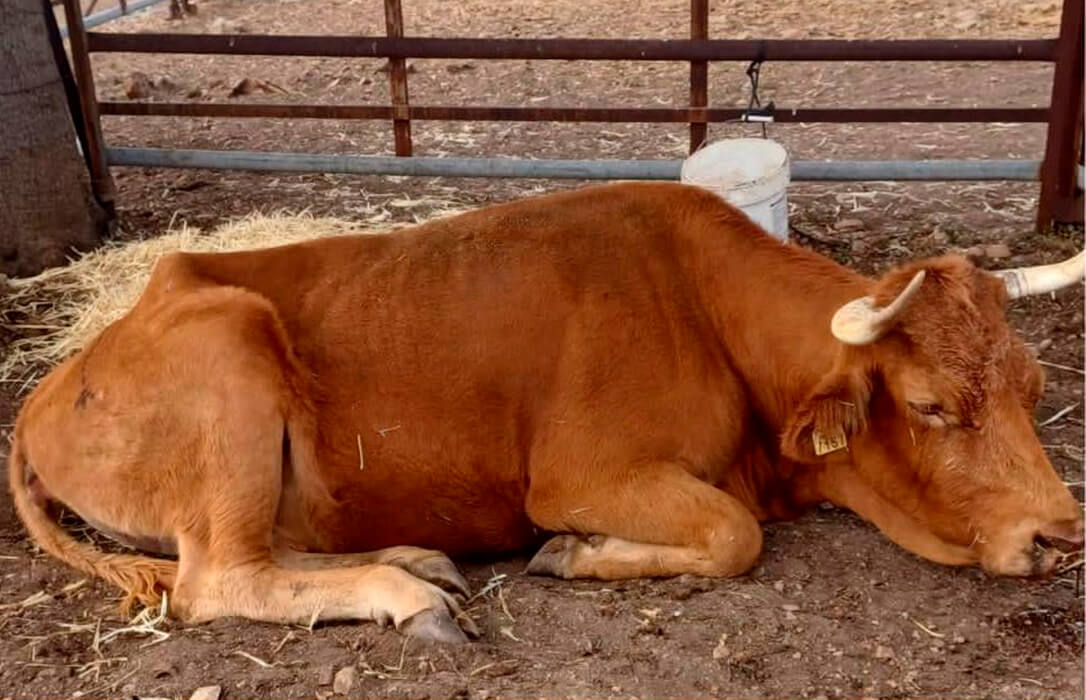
(926, 409)
(932, 414)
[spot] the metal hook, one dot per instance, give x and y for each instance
(755, 112)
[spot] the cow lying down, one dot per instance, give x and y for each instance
(635, 371)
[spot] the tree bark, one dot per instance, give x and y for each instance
(47, 209)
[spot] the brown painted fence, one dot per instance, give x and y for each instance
(1060, 200)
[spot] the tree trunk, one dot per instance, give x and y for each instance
(47, 209)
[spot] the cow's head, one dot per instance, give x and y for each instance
(924, 424)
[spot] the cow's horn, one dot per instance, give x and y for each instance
(1024, 281)
(860, 322)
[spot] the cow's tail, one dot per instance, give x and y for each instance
(143, 579)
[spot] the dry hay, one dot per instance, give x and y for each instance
(55, 314)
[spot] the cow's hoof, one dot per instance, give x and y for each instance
(435, 626)
(440, 571)
(553, 558)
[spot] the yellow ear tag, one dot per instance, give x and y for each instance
(828, 442)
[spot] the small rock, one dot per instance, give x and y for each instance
(164, 83)
(460, 67)
(208, 692)
(849, 225)
(243, 87)
(790, 608)
(997, 251)
(882, 652)
(344, 680)
(721, 650)
(688, 585)
(778, 586)
(194, 93)
(324, 674)
(137, 86)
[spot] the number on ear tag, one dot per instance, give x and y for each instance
(824, 443)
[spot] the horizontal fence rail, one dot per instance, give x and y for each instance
(572, 114)
(263, 161)
(581, 49)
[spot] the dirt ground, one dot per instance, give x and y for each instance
(833, 609)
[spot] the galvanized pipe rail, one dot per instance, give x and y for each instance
(821, 171)
(1057, 172)
(108, 15)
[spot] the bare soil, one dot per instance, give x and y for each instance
(833, 609)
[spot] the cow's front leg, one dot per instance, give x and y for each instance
(428, 564)
(649, 520)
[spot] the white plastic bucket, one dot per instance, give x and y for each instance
(751, 174)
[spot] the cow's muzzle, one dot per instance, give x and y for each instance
(1032, 548)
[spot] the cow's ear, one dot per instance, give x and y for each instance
(827, 419)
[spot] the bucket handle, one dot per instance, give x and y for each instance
(754, 106)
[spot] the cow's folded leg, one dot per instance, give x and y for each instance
(654, 520)
(428, 564)
(269, 592)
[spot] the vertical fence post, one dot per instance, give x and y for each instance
(101, 181)
(397, 79)
(699, 71)
(1059, 199)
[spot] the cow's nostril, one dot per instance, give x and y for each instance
(1065, 535)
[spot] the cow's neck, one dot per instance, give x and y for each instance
(771, 305)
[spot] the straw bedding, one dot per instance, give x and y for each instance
(48, 317)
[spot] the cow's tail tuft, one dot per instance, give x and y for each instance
(143, 579)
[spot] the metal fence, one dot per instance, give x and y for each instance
(1060, 199)
(122, 9)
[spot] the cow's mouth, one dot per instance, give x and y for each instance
(1043, 558)
(1054, 555)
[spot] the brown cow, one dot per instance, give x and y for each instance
(638, 366)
